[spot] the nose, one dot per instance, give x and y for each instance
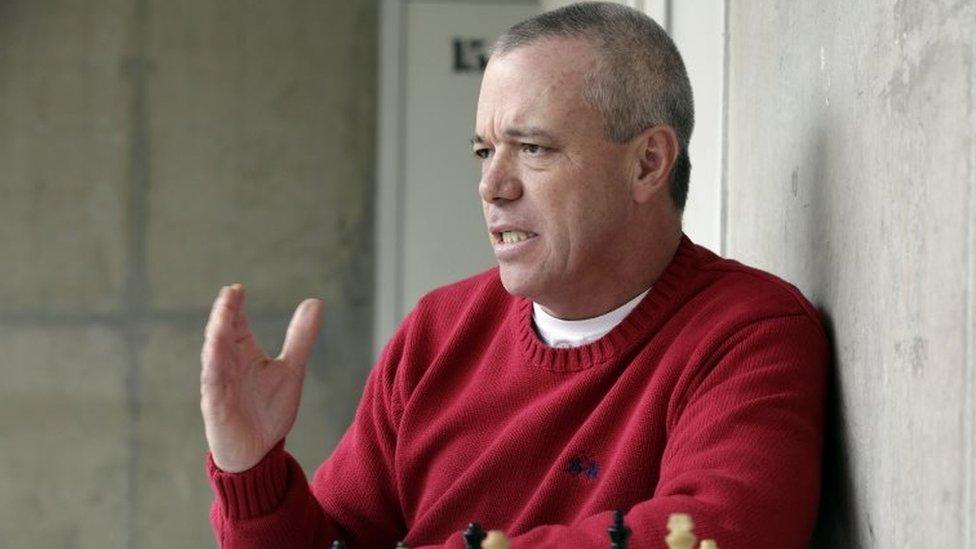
(499, 180)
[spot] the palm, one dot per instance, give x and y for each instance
(250, 401)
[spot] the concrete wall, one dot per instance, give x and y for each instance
(151, 151)
(852, 173)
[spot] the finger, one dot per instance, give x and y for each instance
(239, 318)
(218, 334)
(224, 310)
(212, 319)
(247, 345)
(302, 332)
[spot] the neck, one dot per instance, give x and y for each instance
(592, 298)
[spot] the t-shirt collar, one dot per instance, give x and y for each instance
(564, 334)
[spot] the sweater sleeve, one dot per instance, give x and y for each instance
(743, 452)
(357, 484)
(351, 498)
(267, 505)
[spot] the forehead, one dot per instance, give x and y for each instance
(536, 85)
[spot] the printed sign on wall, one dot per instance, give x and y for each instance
(470, 54)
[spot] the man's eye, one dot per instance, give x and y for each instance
(532, 148)
(482, 153)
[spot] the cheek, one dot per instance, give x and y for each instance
(576, 207)
(597, 215)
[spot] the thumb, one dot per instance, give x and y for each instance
(302, 332)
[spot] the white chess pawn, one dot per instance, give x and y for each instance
(495, 540)
(708, 544)
(679, 528)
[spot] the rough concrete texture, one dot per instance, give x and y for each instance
(260, 118)
(63, 423)
(173, 493)
(851, 165)
(153, 151)
(62, 133)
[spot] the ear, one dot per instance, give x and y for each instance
(655, 151)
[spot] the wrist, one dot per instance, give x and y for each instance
(239, 466)
(255, 491)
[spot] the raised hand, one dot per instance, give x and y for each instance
(249, 400)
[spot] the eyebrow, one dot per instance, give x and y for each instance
(517, 132)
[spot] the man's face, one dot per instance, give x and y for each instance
(555, 191)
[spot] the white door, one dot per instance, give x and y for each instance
(430, 229)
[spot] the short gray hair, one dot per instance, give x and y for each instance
(639, 79)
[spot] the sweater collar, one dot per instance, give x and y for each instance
(558, 332)
(666, 292)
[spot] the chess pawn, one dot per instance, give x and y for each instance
(679, 528)
(495, 540)
(708, 544)
(618, 531)
(473, 536)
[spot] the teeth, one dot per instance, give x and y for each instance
(511, 237)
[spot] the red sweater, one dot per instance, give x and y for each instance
(707, 399)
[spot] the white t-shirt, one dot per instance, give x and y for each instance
(575, 333)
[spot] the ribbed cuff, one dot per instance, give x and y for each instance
(255, 492)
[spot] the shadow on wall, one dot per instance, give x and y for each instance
(837, 525)
(836, 519)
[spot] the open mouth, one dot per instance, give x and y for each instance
(512, 237)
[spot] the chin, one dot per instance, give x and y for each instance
(518, 282)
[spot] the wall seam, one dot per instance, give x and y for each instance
(196, 316)
(135, 293)
(724, 129)
(400, 267)
(969, 416)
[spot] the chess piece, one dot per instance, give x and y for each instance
(473, 536)
(708, 544)
(618, 531)
(338, 544)
(402, 545)
(679, 532)
(495, 540)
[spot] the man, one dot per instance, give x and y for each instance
(607, 363)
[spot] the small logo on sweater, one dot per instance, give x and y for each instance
(583, 466)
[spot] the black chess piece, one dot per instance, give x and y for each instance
(473, 536)
(618, 531)
(338, 544)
